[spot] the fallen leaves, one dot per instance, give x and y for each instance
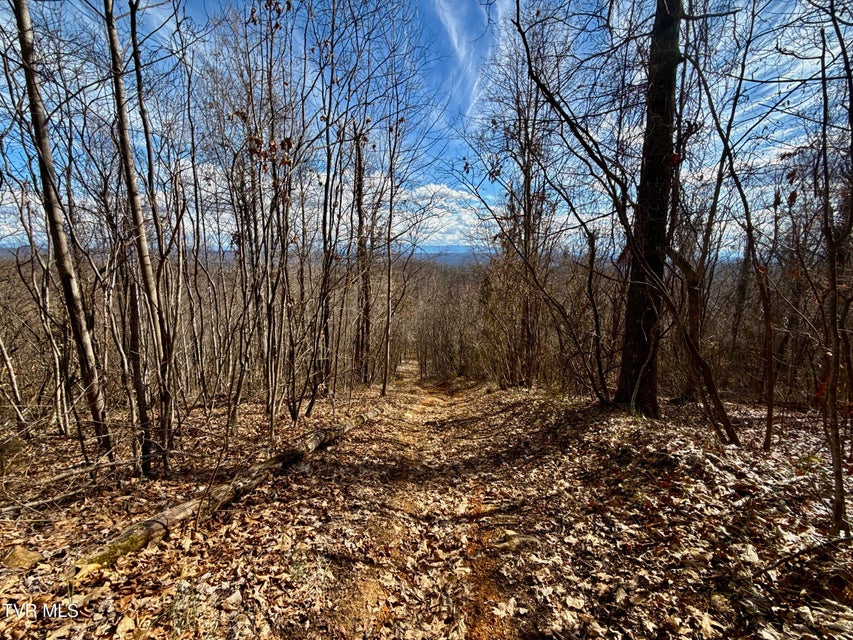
(22, 558)
(462, 514)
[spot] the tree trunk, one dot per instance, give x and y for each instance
(163, 325)
(162, 339)
(836, 230)
(15, 399)
(361, 364)
(637, 385)
(139, 390)
(389, 273)
(55, 220)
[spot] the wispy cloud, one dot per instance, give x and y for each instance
(455, 27)
(466, 29)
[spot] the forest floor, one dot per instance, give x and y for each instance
(463, 512)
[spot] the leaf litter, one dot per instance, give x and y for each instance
(467, 513)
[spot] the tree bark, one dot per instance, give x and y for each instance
(836, 228)
(162, 336)
(55, 220)
(361, 365)
(15, 399)
(637, 385)
(144, 435)
(389, 272)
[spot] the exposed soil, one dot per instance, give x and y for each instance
(466, 512)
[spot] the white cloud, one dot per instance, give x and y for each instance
(454, 216)
(455, 29)
(466, 27)
(439, 192)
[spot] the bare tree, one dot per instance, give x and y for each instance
(162, 334)
(55, 220)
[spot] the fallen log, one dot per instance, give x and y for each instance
(202, 507)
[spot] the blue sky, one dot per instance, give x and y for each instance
(463, 40)
(460, 36)
(459, 33)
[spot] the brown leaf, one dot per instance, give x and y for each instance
(22, 558)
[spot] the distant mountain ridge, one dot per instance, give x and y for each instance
(449, 254)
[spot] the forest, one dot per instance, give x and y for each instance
(249, 390)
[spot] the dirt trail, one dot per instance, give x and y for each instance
(432, 527)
